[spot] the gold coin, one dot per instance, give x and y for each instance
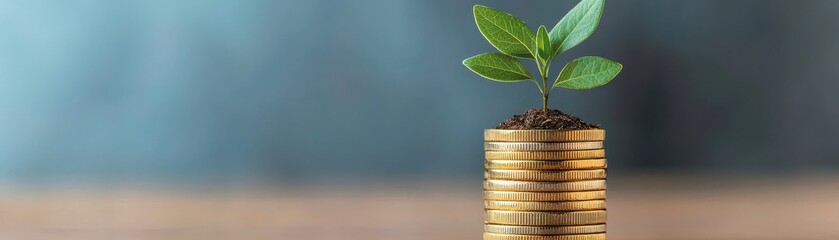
(500, 236)
(505, 185)
(546, 206)
(545, 218)
(552, 176)
(500, 135)
(541, 146)
(555, 155)
(543, 196)
(545, 230)
(545, 165)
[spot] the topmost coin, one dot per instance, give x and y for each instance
(499, 135)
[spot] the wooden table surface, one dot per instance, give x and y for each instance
(639, 209)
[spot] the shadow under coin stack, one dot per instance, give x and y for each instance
(544, 184)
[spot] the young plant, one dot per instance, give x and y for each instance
(514, 39)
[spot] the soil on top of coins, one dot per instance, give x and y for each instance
(538, 119)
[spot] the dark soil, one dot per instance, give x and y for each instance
(538, 119)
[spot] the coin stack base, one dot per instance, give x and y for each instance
(544, 185)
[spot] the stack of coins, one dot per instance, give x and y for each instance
(544, 184)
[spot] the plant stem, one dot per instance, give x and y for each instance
(544, 68)
(545, 93)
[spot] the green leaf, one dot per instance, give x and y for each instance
(505, 32)
(498, 67)
(543, 44)
(587, 73)
(576, 26)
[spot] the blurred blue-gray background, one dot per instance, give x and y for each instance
(310, 91)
